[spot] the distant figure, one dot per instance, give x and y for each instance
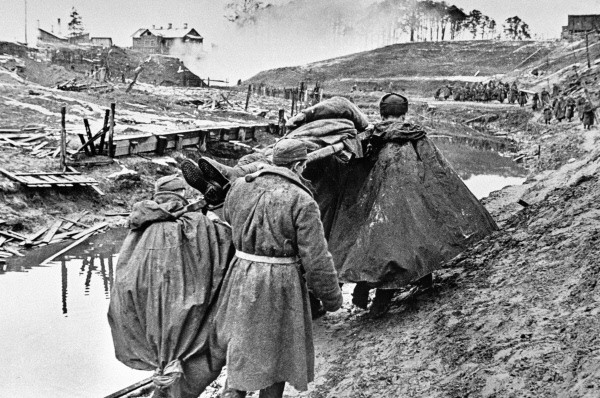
(547, 114)
(545, 97)
(535, 102)
(555, 90)
(588, 116)
(513, 93)
(560, 108)
(570, 109)
(523, 98)
(580, 106)
(436, 96)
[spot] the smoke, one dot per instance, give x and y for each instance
(293, 33)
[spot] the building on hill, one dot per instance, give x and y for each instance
(160, 41)
(104, 42)
(578, 24)
(83, 38)
(50, 37)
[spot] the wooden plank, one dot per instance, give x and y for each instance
(52, 231)
(91, 229)
(12, 234)
(66, 249)
(63, 137)
(13, 251)
(37, 234)
(73, 221)
(3, 239)
(104, 131)
(48, 174)
(131, 388)
(11, 175)
(88, 132)
(83, 141)
(111, 131)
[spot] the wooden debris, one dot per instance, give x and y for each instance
(52, 231)
(13, 251)
(13, 235)
(90, 230)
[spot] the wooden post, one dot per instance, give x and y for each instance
(248, 96)
(161, 144)
(202, 139)
(282, 122)
(294, 93)
(89, 135)
(179, 142)
(105, 130)
(301, 96)
(63, 138)
(587, 49)
(111, 131)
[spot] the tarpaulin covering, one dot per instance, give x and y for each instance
(332, 108)
(402, 212)
(169, 272)
(321, 133)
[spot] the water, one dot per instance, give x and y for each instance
(54, 335)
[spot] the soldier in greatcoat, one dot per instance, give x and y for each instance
(263, 314)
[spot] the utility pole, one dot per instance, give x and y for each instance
(25, 22)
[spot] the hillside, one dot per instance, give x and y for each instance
(415, 68)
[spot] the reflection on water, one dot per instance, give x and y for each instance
(483, 171)
(54, 336)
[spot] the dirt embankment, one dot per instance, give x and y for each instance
(413, 68)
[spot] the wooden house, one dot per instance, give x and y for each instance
(160, 41)
(49, 37)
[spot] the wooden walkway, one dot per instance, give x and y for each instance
(47, 180)
(177, 140)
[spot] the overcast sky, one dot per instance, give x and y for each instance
(120, 18)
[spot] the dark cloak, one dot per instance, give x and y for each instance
(169, 273)
(401, 212)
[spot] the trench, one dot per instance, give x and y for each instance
(54, 336)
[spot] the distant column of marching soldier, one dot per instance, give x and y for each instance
(557, 105)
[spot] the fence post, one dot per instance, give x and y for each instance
(248, 96)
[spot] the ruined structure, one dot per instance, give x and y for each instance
(578, 24)
(104, 42)
(160, 41)
(45, 36)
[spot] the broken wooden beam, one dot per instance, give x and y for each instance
(52, 231)
(91, 229)
(88, 132)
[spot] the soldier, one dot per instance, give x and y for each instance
(523, 98)
(263, 314)
(560, 108)
(545, 97)
(547, 114)
(535, 102)
(570, 108)
(588, 116)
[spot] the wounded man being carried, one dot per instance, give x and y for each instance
(392, 207)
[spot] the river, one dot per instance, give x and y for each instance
(54, 336)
